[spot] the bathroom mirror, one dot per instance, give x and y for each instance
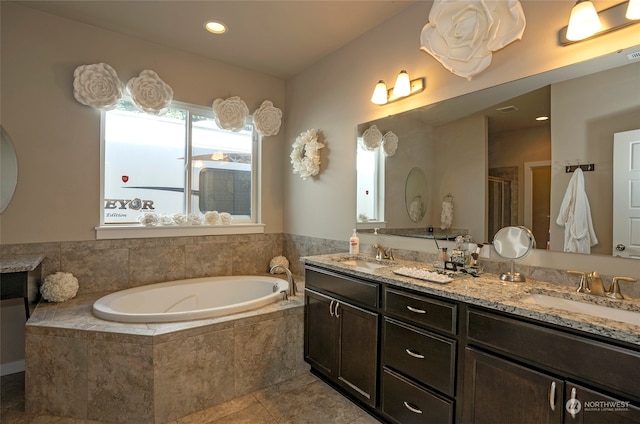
(8, 169)
(415, 194)
(489, 152)
(513, 243)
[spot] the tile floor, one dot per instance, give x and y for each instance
(304, 399)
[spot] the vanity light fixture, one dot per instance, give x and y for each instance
(633, 10)
(586, 22)
(215, 27)
(404, 87)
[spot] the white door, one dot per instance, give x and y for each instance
(626, 194)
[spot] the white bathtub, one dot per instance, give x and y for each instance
(192, 299)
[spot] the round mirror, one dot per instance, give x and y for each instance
(8, 169)
(513, 243)
(415, 194)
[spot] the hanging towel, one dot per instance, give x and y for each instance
(575, 216)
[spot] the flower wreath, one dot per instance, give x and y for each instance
(304, 154)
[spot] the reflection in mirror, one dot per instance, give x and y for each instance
(513, 243)
(8, 170)
(502, 166)
(415, 194)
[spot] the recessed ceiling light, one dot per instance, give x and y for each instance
(542, 118)
(215, 27)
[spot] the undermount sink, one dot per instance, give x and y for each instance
(612, 313)
(367, 264)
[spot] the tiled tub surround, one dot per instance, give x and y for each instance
(490, 292)
(83, 367)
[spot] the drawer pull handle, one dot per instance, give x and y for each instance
(416, 310)
(414, 354)
(552, 396)
(412, 408)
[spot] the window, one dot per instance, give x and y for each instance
(178, 163)
(370, 186)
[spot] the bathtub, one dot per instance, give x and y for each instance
(191, 299)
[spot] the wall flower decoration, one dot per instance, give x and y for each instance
(462, 35)
(97, 86)
(149, 93)
(305, 157)
(230, 114)
(371, 138)
(267, 119)
(389, 143)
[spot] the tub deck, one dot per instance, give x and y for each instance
(77, 365)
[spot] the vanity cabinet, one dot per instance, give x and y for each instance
(341, 336)
(418, 358)
(528, 373)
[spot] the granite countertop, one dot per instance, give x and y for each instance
(22, 264)
(487, 290)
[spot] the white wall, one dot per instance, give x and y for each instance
(334, 94)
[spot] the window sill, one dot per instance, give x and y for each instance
(108, 232)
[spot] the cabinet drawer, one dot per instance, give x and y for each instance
(602, 364)
(362, 292)
(426, 358)
(421, 310)
(404, 402)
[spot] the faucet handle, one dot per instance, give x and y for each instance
(614, 291)
(583, 285)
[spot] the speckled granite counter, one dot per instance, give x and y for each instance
(27, 263)
(489, 291)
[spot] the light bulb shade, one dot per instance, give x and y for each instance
(403, 85)
(379, 96)
(633, 10)
(584, 21)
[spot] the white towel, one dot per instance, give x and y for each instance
(575, 216)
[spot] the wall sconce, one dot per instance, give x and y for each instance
(586, 22)
(404, 87)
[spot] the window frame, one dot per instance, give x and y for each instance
(252, 225)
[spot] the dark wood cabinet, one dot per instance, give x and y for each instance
(587, 406)
(496, 390)
(341, 342)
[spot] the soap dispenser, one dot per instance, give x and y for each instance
(354, 244)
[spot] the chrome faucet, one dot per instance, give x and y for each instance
(592, 284)
(381, 253)
(292, 284)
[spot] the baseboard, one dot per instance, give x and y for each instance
(12, 367)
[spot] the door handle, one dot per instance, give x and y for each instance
(331, 308)
(552, 396)
(335, 310)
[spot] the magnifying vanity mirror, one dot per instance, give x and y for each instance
(505, 168)
(513, 243)
(8, 169)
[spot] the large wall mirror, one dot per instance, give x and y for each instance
(503, 167)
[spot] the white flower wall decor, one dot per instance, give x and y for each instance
(97, 86)
(389, 144)
(267, 119)
(371, 138)
(230, 114)
(149, 93)
(462, 34)
(305, 157)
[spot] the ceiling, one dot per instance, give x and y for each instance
(278, 38)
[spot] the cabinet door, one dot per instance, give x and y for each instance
(496, 390)
(586, 406)
(320, 332)
(358, 351)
